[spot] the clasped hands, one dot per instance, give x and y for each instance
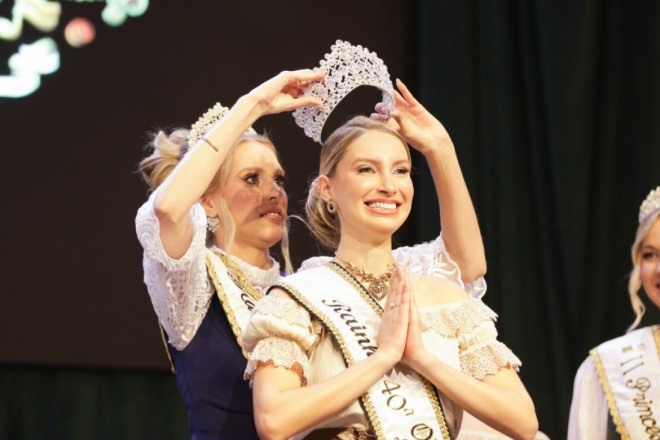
(400, 335)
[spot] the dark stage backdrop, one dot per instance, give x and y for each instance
(73, 265)
(80, 352)
(552, 109)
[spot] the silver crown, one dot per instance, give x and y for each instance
(347, 67)
(206, 121)
(650, 204)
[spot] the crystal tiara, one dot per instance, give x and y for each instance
(347, 67)
(206, 121)
(650, 204)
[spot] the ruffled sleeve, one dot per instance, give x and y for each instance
(279, 333)
(431, 258)
(473, 324)
(180, 289)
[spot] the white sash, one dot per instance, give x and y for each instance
(629, 372)
(235, 292)
(401, 405)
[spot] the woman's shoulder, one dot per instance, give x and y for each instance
(277, 315)
(448, 309)
(432, 291)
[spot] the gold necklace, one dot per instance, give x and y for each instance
(378, 285)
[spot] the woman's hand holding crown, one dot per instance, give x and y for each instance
(416, 124)
(285, 91)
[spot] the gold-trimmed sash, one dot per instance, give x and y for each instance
(402, 404)
(628, 370)
(235, 292)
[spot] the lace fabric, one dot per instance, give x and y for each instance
(261, 279)
(430, 258)
(279, 352)
(463, 334)
(279, 317)
(180, 289)
(469, 322)
(456, 318)
(488, 359)
(472, 323)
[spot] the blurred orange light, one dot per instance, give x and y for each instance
(79, 32)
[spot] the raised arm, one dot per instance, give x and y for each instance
(284, 407)
(190, 179)
(458, 220)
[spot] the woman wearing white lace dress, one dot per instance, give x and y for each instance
(616, 392)
(382, 343)
(218, 205)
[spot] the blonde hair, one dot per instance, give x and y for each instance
(635, 282)
(324, 225)
(168, 150)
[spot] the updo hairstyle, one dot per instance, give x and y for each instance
(169, 150)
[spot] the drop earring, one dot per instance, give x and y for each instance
(212, 223)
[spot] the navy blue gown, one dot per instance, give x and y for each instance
(209, 373)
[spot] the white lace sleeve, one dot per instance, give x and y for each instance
(473, 324)
(481, 353)
(431, 258)
(589, 413)
(279, 333)
(180, 289)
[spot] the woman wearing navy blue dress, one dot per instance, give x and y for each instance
(217, 206)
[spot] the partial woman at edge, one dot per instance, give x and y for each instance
(616, 393)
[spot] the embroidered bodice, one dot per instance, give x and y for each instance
(463, 334)
(429, 258)
(180, 289)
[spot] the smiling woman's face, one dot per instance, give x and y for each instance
(649, 270)
(372, 186)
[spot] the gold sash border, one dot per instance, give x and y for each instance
(602, 378)
(429, 388)
(240, 281)
(611, 403)
(365, 399)
(348, 358)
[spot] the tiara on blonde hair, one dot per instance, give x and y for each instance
(347, 67)
(206, 121)
(650, 204)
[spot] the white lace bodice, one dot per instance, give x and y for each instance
(463, 334)
(281, 332)
(180, 289)
(429, 258)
